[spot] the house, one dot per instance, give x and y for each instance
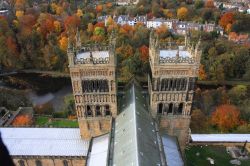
(155, 22)
(181, 28)
(4, 11)
(126, 2)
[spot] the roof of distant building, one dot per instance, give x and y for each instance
(44, 142)
(220, 137)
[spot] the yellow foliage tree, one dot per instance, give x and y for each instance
(90, 28)
(59, 10)
(63, 43)
(110, 21)
(20, 4)
(57, 26)
(79, 13)
(53, 7)
(19, 13)
(182, 13)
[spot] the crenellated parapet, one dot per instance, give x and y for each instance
(94, 53)
(171, 53)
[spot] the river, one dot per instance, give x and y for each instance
(39, 88)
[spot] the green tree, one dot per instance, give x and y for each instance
(237, 94)
(198, 4)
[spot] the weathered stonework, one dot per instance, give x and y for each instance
(171, 86)
(49, 161)
(93, 76)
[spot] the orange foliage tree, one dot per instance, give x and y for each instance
(209, 4)
(99, 8)
(27, 22)
(125, 50)
(46, 22)
(22, 120)
(144, 53)
(63, 42)
(226, 117)
(202, 73)
(182, 13)
(109, 5)
(161, 29)
(227, 20)
(126, 29)
(71, 23)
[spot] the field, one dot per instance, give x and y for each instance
(218, 153)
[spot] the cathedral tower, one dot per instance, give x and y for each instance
(174, 70)
(93, 75)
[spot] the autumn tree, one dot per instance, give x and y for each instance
(90, 28)
(27, 23)
(71, 23)
(46, 22)
(125, 51)
(226, 117)
(202, 73)
(162, 31)
(209, 4)
(79, 13)
(63, 43)
(22, 120)
(227, 20)
(144, 53)
(57, 26)
(99, 8)
(182, 13)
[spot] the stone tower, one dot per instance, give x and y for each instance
(93, 76)
(174, 70)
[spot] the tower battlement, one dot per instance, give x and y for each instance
(93, 77)
(174, 70)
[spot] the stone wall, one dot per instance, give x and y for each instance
(176, 126)
(92, 127)
(49, 161)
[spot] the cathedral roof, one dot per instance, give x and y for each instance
(44, 142)
(135, 140)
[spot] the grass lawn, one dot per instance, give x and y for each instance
(64, 123)
(218, 153)
(44, 122)
(41, 120)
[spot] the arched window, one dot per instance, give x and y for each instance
(21, 163)
(162, 84)
(160, 108)
(170, 108)
(38, 163)
(89, 111)
(65, 163)
(107, 110)
(171, 85)
(179, 111)
(98, 110)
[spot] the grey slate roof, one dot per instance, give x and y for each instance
(135, 141)
(172, 153)
(44, 142)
